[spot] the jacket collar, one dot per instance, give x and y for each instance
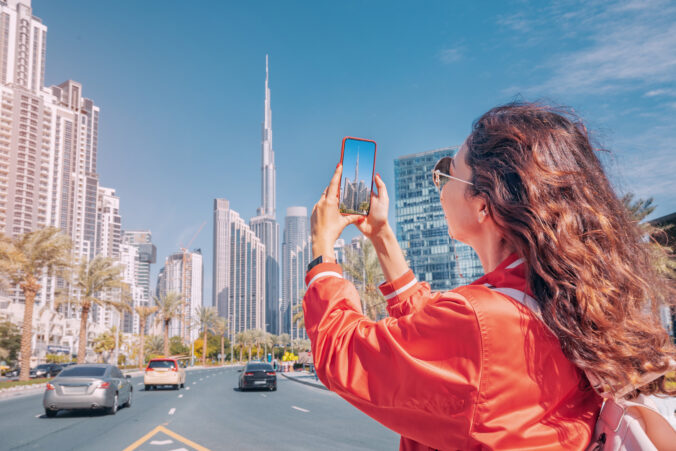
(511, 273)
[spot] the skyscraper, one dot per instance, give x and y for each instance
(421, 227)
(48, 144)
(187, 282)
(138, 243)
(294, 252)
(265, 225)
(239, 271)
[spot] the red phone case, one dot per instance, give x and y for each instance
(342, 152)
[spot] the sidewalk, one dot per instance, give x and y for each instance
(304, 377)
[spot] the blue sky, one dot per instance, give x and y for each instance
(181, 89)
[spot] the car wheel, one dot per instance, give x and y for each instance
(146, 387)
(51, 413)
(131, 395)
(113, 409)
(176, 387)
(274, 388)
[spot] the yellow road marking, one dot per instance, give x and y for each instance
(173, 434)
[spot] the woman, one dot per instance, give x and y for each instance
(569, 290)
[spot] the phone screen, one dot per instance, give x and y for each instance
(356, 181)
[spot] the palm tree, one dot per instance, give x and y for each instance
(124, 304)
(363, 268)
(662, 253)
(143, 312)
(104, 342)
(95, 278)
(298, 315)
(206, 318)
(24, 260)
(221, 328)
(168, 308)
(242, 339)
(154, 345)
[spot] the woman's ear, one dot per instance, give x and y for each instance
(482, 212)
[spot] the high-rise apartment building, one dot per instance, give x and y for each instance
(265, 224)
(147, 255)
(421, 227)
(188, 282)
(137, 244)
(239, 271)
(294, 252)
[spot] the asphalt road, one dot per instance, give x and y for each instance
(210, 413)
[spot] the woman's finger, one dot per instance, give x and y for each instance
(335, 182)
(382, 190)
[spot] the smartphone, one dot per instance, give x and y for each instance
(358, 157)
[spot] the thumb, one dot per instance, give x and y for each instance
(352, 219)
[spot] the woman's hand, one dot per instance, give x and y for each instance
(376, 221)
(327, 223)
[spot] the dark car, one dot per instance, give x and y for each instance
(258, 375)
(88, 386)
(46, 370)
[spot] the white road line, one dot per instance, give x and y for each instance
(161, 442)
(187, 388)
(299, 408)
(264, 395)
(194, 383)
(140, 383)
(38, 415)
(173, 409)
(180, 396)
(201, 378)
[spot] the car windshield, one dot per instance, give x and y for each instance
(161, 364)
(259, 367)
(43, 367)
(83, 371)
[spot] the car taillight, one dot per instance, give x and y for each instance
(49, 386)
(148, 369)
(270, 373)
(174, 369)
(104, 385)
(248, 374)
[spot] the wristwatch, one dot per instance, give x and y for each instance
(317, 261)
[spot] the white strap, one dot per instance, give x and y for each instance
(402, 289)
(324, 274)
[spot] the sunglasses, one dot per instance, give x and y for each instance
(440, 173)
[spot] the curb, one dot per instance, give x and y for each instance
(311, 384)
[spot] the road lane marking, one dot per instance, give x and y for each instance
(161, 442)
(300, 408)
(194, 383)
(173, 409)
(38, 415)
(180, 396)
(140, 383)
(264, 395)
(187, 388)
(168, 432)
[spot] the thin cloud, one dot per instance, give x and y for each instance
(452, 55)
(661, 93)
(631, 45)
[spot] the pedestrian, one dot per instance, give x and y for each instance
(567, 310)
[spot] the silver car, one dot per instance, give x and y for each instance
(89, 386)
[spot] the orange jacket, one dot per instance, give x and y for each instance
(466, 369)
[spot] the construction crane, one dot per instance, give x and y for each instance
(186, 292)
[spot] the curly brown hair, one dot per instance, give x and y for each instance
(589, 266)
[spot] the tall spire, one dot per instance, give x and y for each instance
(268, 195)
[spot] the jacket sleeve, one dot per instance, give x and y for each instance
(417, 374)
(405, 295)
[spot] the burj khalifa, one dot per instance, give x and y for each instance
(265, 224)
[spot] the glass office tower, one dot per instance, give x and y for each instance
(421, 226)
